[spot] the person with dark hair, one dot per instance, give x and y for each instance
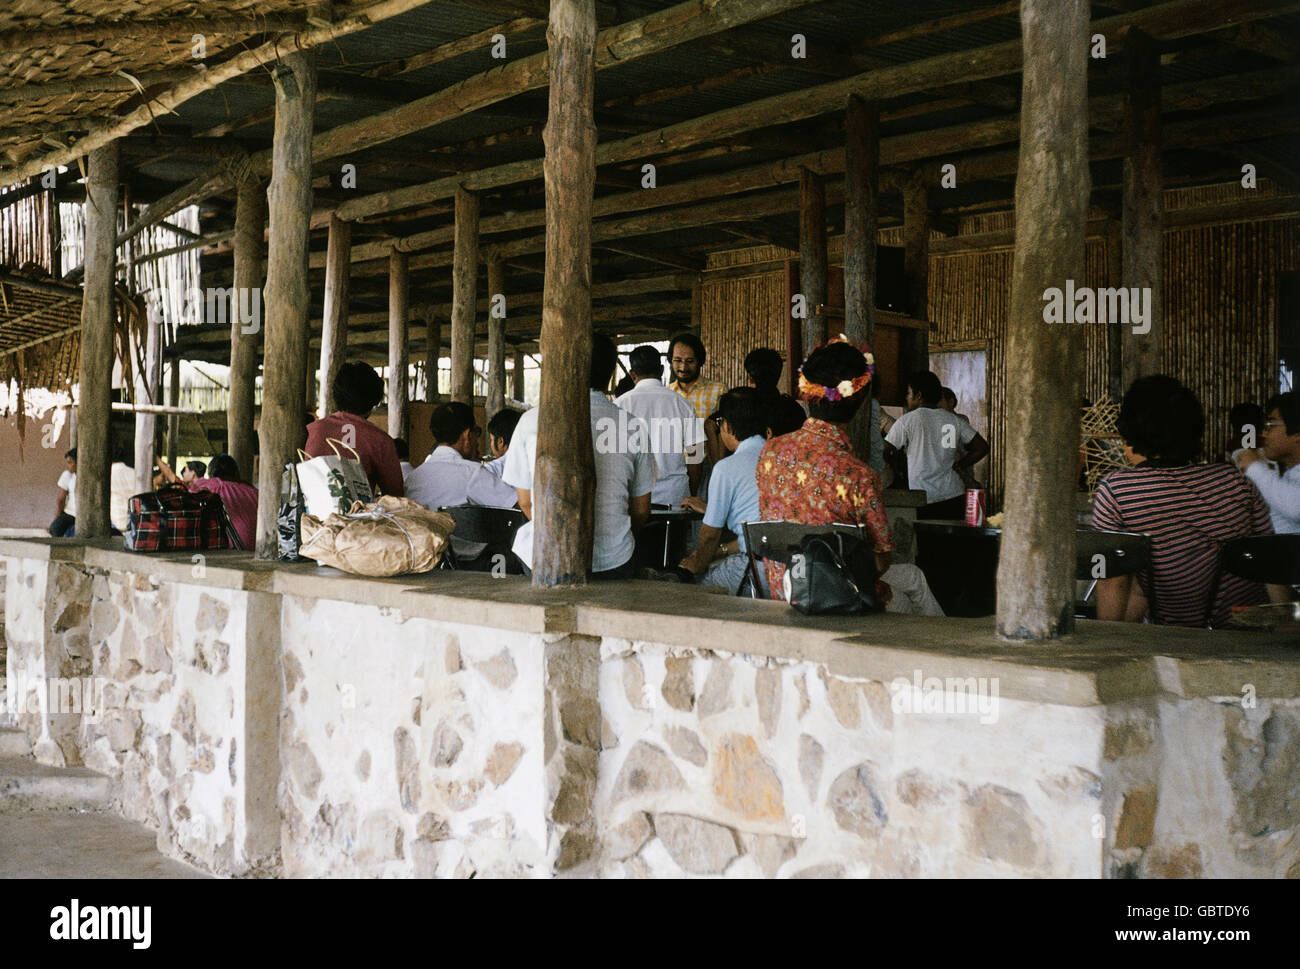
(625, 472)
(686, 356)
(624, 385)
(358, 389)
(501, 428)
(1279, 437)
(783, 415)
(763, 367)
(676, 433)
(931, 437)
(948, 401)
(733, 492)
(192, 470)
(403, 457)
(223, 480)
(1188, 509)
(452, 475)
(811, 476)
(65, 505)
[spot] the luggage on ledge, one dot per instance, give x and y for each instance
(175, 519)
(392, 536)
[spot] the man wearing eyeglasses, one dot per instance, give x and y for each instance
(1280, 442)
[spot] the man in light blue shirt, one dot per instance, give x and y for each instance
(733, 493)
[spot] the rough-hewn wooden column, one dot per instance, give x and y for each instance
(334, 320)
(564, 481)
(517, 376)
(861, 205)
(812, 257)
(399, 290)
(174, 421)
(95, 372)
(148, 390)
(464, 296)
(914, 348)
(1143, 214)
(1044, 360)
(281, 428)
(496, 383)
(246, 338)
(432, 351)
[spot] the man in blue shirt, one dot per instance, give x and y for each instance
(733, 492)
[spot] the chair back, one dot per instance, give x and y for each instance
(779, 540)
(1263, 558)
(1122, 553)
(485, 525)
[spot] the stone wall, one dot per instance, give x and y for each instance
(299, 722)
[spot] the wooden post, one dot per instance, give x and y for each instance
(398, 361)
(496, 384)
(334, 322)
(174, 421)
(281, 429)
(1045, 360)
(517, 378)
(914, 352)
(95, 372)
(148, 385)
(564, 481)
(812, 257)
(697, 305)
(861, 205)
(1115, 385)
(1143, 213)
(432, 352)
(245, 337)
(464, 296)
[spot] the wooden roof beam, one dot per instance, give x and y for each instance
(159, 28)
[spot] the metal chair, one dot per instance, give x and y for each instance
(483, 525)
(777, 540)
(1121, 553)
(1273, 559)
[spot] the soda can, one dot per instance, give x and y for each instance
(976, 506)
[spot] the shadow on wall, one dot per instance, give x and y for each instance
(29, 474)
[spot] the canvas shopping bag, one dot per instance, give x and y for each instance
(333, 483)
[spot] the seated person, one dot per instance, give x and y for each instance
(733, 492)
(357, 391)
(1247, 421)
(452, 475)
(501, 428)
(65, 505)
(676, 438)
(1280, 440)
(1189, 510)
(625, 474)
(122, 488)
(403, 456)
(811, 475)
(223, 481)
(763, 370)
(192, 470)
(931, 436)
(784, 415)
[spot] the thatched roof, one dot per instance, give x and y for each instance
(727, 117)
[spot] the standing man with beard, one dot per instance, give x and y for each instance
(686, 356)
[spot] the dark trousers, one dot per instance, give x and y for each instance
(62, 526)
(948, 508)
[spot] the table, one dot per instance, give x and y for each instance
(960, 562)
(676, 525)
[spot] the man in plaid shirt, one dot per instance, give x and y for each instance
(686, 354)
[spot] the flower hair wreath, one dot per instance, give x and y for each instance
(845, 388)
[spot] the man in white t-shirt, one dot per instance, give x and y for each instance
(452, 475)
(625, 473)
(932, 437)
(65, 505)
(676, 432)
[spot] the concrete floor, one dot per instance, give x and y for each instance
(64, 844)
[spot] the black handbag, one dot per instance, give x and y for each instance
(288, 523)
(832, 574)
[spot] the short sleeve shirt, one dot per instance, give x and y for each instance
(376, 450)
(1189, 512)
(811, 476)
(931, 437)
(733, 490)
(68, 482)
(703, 395)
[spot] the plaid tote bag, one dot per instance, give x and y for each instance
(174, 519)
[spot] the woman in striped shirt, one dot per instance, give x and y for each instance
(1189, 510)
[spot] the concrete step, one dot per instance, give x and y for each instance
(61, 844)
(14, 743)
(26, 785)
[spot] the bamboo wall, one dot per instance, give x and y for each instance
(1220, 310)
